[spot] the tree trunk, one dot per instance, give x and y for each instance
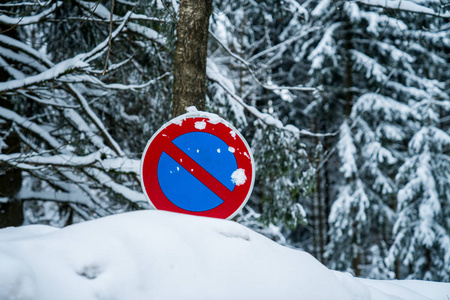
(348, 70)
(319, 204)
(11, 212)
(189, 71)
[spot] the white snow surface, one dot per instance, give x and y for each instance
(161, 255)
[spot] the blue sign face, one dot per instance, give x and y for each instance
(181, 186)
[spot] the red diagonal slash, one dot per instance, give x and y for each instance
(198, 172)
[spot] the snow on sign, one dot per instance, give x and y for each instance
(198, 164)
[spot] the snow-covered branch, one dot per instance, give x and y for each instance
(74, 198)
(324, 48)
(111, 86)
(10, 115)
(30, 19)
(98, 159)
(31, 55)
(106, 181)
(34, 3)
(116, 19)
(56, 71)
(404, 5)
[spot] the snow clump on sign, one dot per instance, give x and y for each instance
(213, 118)
(178, 122)
(200, 125)
(238, 177)
(192, 109)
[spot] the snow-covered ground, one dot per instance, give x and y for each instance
(161, 255)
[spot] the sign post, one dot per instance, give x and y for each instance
(198, 164)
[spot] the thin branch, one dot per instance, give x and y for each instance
(248, 66)
(111, 67)
(283, 44)
(170, 13)
(134, 17)
(93, 117)
(111, 86)
(47, 102)
(100, 48)
(266, 118)
(325, 159)
(110, 36)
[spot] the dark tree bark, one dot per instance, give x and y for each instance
(189, 71)
(11, 212)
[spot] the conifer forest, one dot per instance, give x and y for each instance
(345, 104)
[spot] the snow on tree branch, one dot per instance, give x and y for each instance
(125, 192)
(10, 115)
(404, 5)
(98, 159)
(111, 86)
(31, 19)
(56, 71)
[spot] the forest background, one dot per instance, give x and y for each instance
(345, 104)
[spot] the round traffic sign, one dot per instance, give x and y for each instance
(198, 164)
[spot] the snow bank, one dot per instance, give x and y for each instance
(162, 255)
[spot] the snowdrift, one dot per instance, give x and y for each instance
(162, 256)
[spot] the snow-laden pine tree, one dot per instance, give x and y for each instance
(422, 239)
(362, 215)
(349, 211)
(368, 62)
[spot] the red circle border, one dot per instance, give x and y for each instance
(185, 124)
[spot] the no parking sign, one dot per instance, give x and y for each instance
(198, 164)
